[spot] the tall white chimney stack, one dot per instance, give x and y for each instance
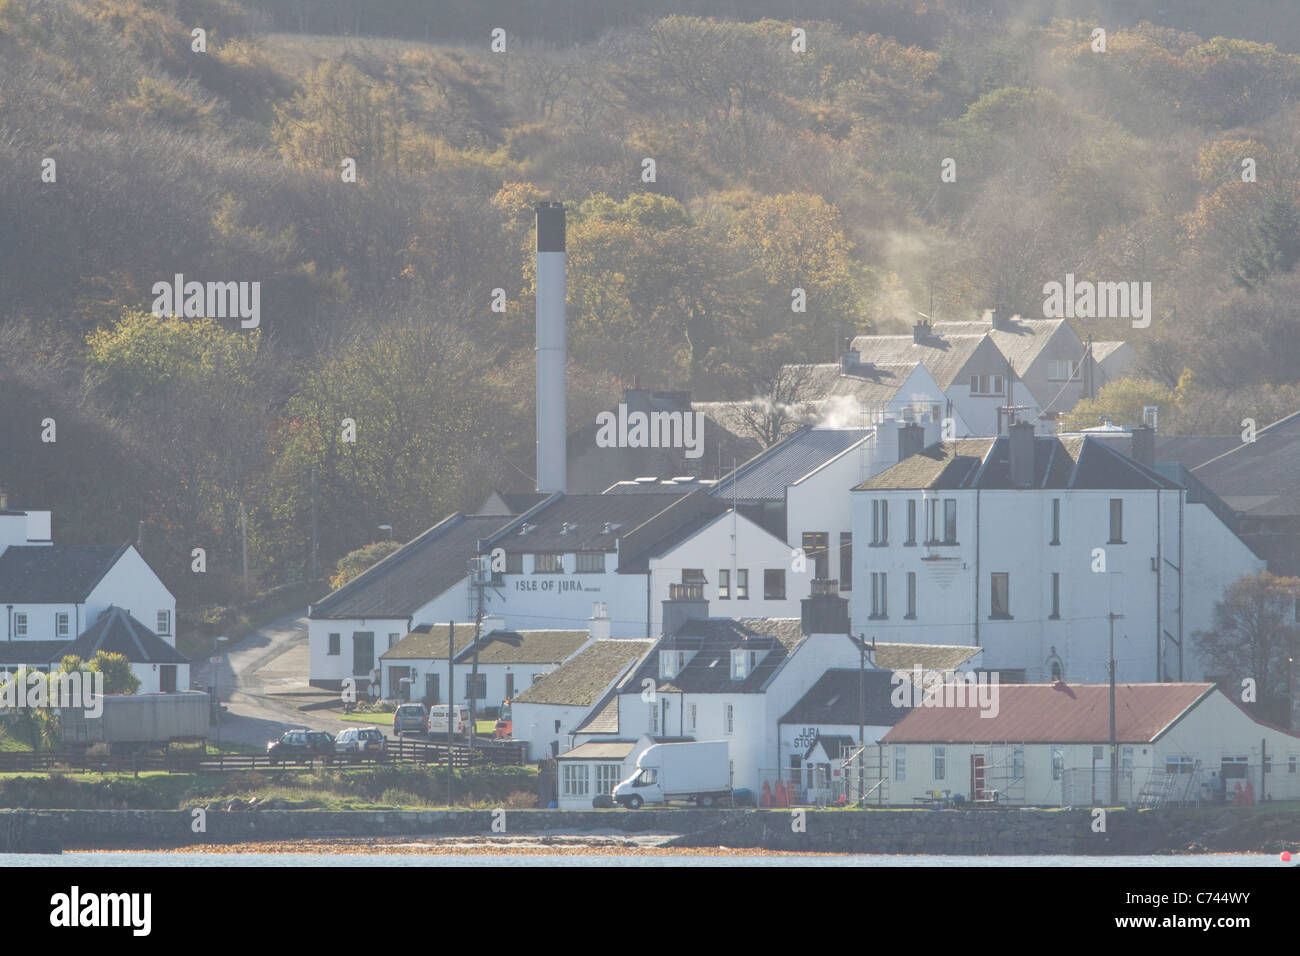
(552, 434)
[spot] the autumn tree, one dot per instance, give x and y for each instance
(1253, 638)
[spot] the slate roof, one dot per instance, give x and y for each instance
(117, 632)
(1020, 340)
(929, 657)
(943, 355)
(526, 647)
(44, 574)
(429, 643)
(686, 516)
(1104, 350)
(601, 750)
(31, 653)
(1066, 462)
(766, 476)
(712, 640)
(581, 679)
(834, 700)
(1055, 714)
(604, 717)
(586, 517)
(833, 745)
(1192, 450)
(1259, 478)
(415, 574)
(874, 383)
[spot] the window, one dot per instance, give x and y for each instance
(590, 562)
(1056, 596)
(949, 520)
(1126, 761)
(693, 576)
(846, 560)
(774, 584)
(742, 584)
(1268, 763)
(607, 778)
(546, 562)
(911, 596)
(816, 545)
(393, 639)
(1018, 763)
(1000, 603)
(724, 585)
(692, 713)
(654, 718)
(20, 625)
(1291, 763)
(1056, 521)
(164, 623)
(61, 624)
(1116, 521)
(336, 641)
(940, 759)
(575, 780)
(1061, 370)
(900, 764)
(671, 663)
(1058, 762)
(911, 521)
(739, 662)
(729, 717)
(475, 686)
(1180, 764)
(515, 563)
(510, 684)
(948, 529)
(879, 608)
(1233, 768)
(879, 521)
(986, 384)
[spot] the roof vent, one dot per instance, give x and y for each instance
(526, 528)
(606, 528)
(566, 528)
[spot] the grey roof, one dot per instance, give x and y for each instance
(712, 640)
(594, 522)
(833, 745)
(579, 680)
(1192, 450)
(604, 716)
(1075, 462)
(1259, 478)
(766, 476)
(117, 632)
(429, 642)
(943, 355)
(527, 647)
(415, 574)
(682, 485)
(875, 383)
(834, 700)
(31, 653)
(600, 750)
(1020, 340)
(44, 574)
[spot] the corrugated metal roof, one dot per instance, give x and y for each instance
(766, 476)
(1054, 714)
(414, 575)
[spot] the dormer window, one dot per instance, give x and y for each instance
(671, 664)
(743, 663)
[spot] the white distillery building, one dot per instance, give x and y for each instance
(79, 600)
(1025, 546)
(1049, 745)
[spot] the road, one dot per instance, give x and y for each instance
(262, 680)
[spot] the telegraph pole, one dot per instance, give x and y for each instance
(451, 697)
(1114, 748)
(315, 529)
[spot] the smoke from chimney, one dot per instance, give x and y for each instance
(552, 429)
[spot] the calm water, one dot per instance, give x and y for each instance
(440, 859)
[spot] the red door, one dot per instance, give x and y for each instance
(977, 776)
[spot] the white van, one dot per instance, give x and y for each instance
(438, 720)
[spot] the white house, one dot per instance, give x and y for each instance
(1049, 745)
(78, 600)
(548, 713)
(1026, 545)
(594, 768)
(415, 668)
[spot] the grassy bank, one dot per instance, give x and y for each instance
(360, 788)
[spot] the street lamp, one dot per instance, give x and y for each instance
(216, 679)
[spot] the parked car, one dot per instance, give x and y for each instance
(410, 719)
(301, 745)
(358, 742)
(438, 720)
